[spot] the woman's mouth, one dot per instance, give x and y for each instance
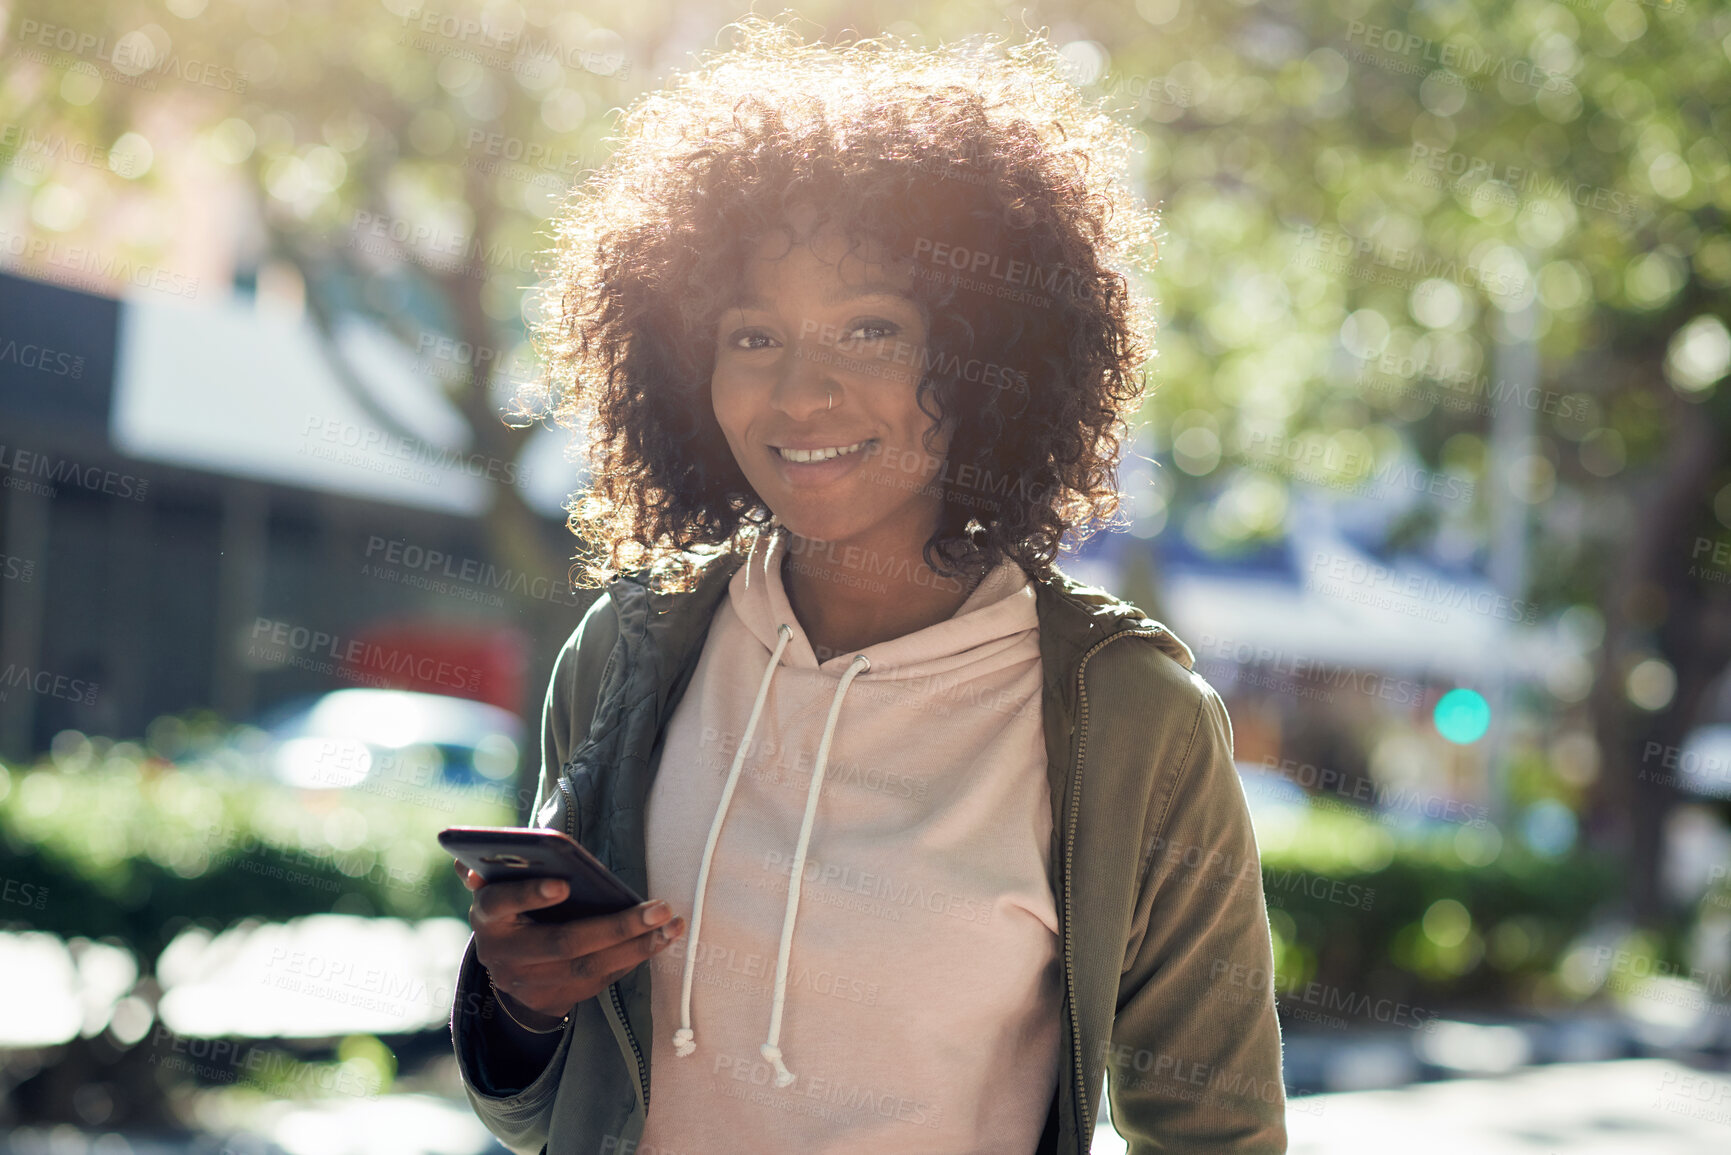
(825, 454)
(821, 463)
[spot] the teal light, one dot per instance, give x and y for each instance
(1462, 715)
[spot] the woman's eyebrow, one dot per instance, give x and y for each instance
(868, 289)
(835, 296)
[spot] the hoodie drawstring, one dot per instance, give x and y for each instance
(685, 1039)
(770, 1049)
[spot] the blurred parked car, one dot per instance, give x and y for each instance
(392, 737)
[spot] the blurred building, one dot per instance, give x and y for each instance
(1321, 644)
(204, 507)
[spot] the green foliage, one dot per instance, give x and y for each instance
(1452, 916)
(134, 848)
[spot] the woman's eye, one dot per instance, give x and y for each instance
(750, 335)
(882, 328)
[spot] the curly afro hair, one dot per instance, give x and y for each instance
(984, 152)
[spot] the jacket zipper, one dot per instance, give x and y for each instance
(1085, 1133)
(613, 990)
(642, 1075)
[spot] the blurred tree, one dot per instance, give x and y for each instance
(1368, 206)
(1372, 211)
(396, 160)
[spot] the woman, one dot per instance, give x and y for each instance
(934, 835)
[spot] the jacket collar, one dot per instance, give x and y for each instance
(1073, 617)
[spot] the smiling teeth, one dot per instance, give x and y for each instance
(820, 454)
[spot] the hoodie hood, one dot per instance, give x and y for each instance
(986, 633)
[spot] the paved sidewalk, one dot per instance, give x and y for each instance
(1623, 1107)
(1620, 1107)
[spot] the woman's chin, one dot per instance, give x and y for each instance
(808, 527)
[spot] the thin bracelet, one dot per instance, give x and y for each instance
(500, 1000)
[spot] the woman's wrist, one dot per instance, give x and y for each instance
(526, 1018)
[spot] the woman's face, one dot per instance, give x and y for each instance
(816, 324)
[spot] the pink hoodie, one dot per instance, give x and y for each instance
(905, 995)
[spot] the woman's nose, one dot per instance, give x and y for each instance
(804, 386)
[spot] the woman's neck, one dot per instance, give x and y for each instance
(849, 597)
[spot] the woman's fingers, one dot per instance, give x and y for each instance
(550, 967)
(554, 986)
(501, 901)
(622, 958)
(554, 942)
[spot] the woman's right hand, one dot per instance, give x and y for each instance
(548, 968)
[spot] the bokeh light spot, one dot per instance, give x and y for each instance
(1462, 715)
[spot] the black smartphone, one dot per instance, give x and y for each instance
(516, 853)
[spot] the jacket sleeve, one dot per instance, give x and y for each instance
(520, 1116)
(1195, 1063)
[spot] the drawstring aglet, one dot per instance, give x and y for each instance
(684, 1041)
(783, 1076)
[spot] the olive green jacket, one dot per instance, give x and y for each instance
(1163, 929)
